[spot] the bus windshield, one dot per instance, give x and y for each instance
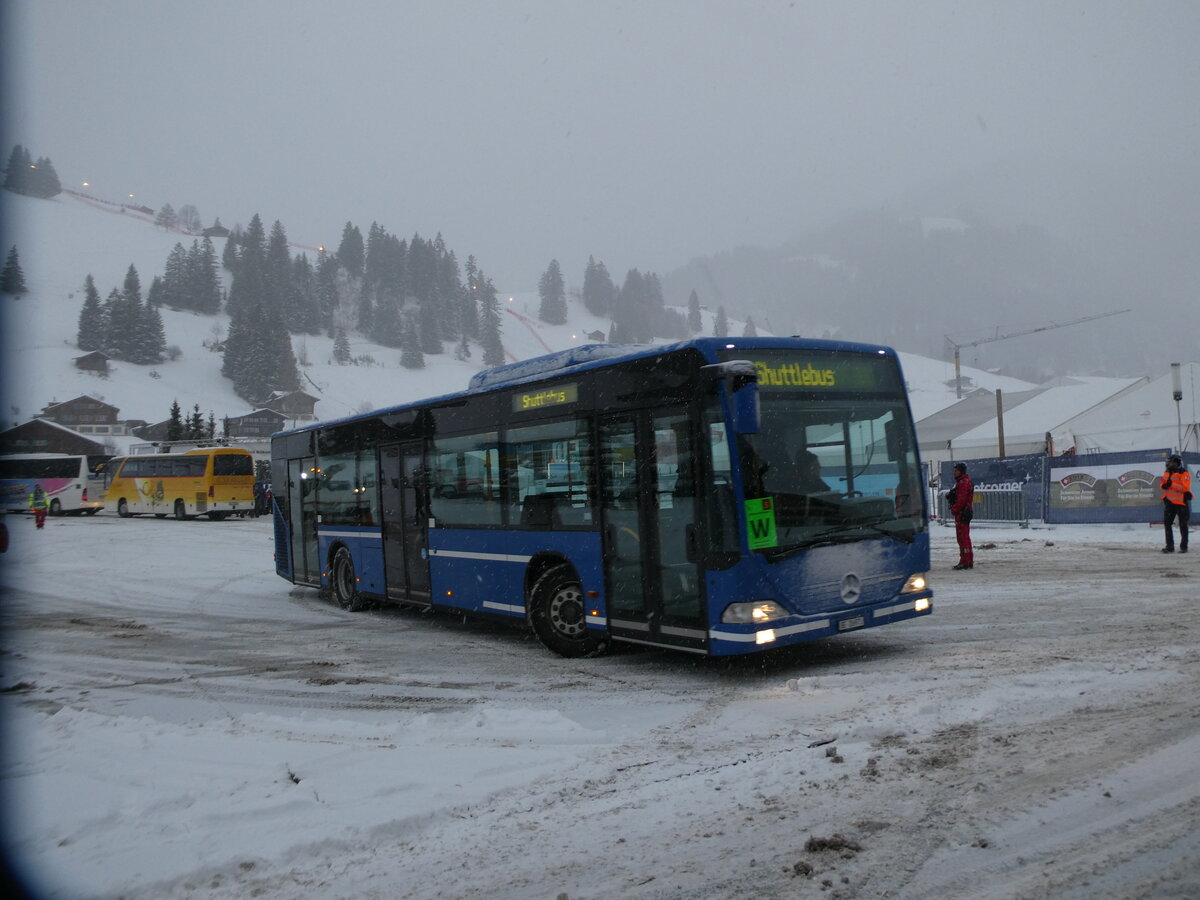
(834, 458)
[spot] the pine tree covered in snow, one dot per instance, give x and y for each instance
(204, 283)
(16, 176)
(195, 428)
(411, 356)
(152, 337)
(631, 311)
(33, 179)
(175, 423)
(307, 311)
(599, 292)
(341, 348)
(553, 307)
(351, 252)
(45, 181)
(468, 323)
(167, 217)
(695, 323)
(12, 279)
(249, 274)
(489, 322)
(259, 359)
(90, 335)
(721, 323)
(173, 294)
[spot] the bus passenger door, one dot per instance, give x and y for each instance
(405, 520)
(302, 519)
(648, 495)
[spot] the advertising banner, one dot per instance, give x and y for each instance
(1112, 487)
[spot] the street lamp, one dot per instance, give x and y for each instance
(1177, 393)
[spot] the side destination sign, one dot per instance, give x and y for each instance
(556, 396)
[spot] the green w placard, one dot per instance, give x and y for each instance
(760, 523)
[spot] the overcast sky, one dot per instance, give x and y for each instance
(644, 133)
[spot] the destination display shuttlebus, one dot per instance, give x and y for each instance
(828, 372)
(558, 395)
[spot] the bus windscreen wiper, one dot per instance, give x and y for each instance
(839, 534)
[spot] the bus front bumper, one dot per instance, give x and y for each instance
(725, 640)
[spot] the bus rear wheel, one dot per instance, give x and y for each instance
(558, 614)
(180, 510)
(56, 508)
(344, 582)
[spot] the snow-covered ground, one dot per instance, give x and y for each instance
(182, 723)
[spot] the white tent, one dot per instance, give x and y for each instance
(1033, 421)
(1046, 413)
(1147, 417)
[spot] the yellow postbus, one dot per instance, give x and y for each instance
(215, 482)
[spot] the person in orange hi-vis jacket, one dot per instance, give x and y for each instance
(1177, 502)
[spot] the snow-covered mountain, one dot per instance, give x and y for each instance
(61, 241)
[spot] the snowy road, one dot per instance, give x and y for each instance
(181, 723)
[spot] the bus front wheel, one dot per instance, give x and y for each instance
(344, 582)
(558, 614)
(123, 508)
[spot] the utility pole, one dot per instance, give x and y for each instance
(1004, 337)
(1177, 393)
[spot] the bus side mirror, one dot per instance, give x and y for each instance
(741, 380)
(745, 408)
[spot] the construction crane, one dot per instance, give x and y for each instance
(1012, 334)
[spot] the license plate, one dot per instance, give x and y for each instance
(851, 623)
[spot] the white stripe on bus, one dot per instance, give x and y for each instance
(369, 535)
(488, 557)
(752, 637)
(504, 607)
(897, 608)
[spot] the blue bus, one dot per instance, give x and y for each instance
(718, 496)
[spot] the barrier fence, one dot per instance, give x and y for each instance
(993, 506)
(1107, 487)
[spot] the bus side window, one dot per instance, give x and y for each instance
(466, 480)
(548, 471)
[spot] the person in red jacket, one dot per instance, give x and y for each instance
(1177, 499)
(962, 507)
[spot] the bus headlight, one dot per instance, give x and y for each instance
(915, 584)
(752, 613)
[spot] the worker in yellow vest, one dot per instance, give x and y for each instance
(1177, 502)
(39, 503)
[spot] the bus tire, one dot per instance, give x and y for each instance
(56, 508)
(123, 509)
(217, 516)
(180, 510)
(559, 616)
(344, 583)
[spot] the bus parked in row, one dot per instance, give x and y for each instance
(67, 480)
(719, 496)
(215, 481)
